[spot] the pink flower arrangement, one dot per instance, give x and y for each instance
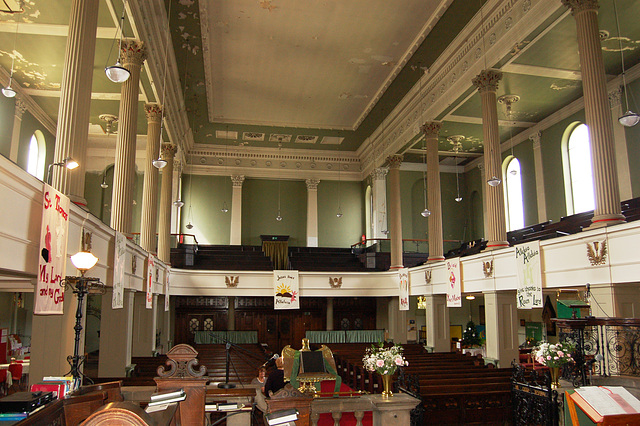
(384, 360)
(554, 355)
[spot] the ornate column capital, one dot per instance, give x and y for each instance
(379, 173)
(395, 161)
(168, 151)
(431, 128)
(581, 5)
(237, 180)
(21, 107)
(153, 111)
(312, 184)
(535, 138)
(487, 80)
(615, 97)
(133, 52)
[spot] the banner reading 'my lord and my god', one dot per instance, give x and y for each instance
(529, 271)
(52, 257)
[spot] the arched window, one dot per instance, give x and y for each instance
(36, 155)
(513, 193)
(578, 173)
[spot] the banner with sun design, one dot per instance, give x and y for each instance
(286, 290)
(454, 286)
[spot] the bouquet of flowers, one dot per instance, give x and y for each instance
(384, 360)
(554, 355)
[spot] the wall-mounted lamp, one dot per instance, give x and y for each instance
(68, 162)
(81, 286)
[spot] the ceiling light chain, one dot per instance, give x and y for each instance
(117, 73)
(8, 91)
(629, 118)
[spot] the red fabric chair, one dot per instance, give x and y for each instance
(15, 370)
(3, 382)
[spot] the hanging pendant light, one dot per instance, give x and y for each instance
(425, 212)
(494, 181)
(458, 197)
(104, 184)
(456, 141)
(629, 118)
(8, 91)
(179, 203)
(279, 217)
(224, 208)
(189, 224)
(117, 73)
(339, 213)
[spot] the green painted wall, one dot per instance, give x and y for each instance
(633, 141)
(454, 214)
(344, 231)
(210, 224)
(260, 208)
(7, 108)
(28, 128)
(551, 145)
(524, 153)
(473, 205)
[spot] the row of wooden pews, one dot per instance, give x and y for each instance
(455, 388)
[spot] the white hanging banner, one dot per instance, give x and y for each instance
(52, 257)
(167, 274)
(529, 271)
(454, 288)
(151, 267)
(118, 271)
(286, 290)
(403, 283)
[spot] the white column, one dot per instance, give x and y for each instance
(620, 140)
(501, 319)
(175, 194)
(379, 188)
(312, 212)
(75, 99)
(21, 107)
(236, 210)
(397, 321)
(597, 113)
(164, 216)
(116, 335)
(437, 323)
(395, 211)
(149, 217)
(143, 333)
(431, 132)
(539, 172)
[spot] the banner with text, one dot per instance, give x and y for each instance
(403, 282)
(166, 290)
(52, 257)
(454, 288)
(118, 271)
(151, 267)
(529, 271)
(286, 290)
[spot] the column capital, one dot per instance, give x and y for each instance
(395, 161)
(487, 80)
(237, 180)
(312, 184)
(581, 5)
(168, 151)
(21, 107)
(133, 52)
(535, 138)
(379, 173)
(615, 97)
(153, 111)
(431, 128)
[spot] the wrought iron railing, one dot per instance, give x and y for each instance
(534, 401)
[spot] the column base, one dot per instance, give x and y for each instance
(494, 245)
(396, 267)
(435, 259)
(603, 220)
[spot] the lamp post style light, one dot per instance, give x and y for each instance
(81, 286)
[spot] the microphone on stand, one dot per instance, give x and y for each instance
(273, 358)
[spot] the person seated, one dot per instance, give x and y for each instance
(275, 381)
(262, 374)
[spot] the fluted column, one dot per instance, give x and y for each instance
(312, 212)
(236, 210)
(496, 232)
(431, 132)
(164, 217)
(598, 116)
(21, 107)
(329, 313)
(539, 172)
(133, 55)
(75, 99)
(149, 217)
(379, 189)
(395, 211)
(620, 140)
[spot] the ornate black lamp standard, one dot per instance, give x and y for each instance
(81, 286)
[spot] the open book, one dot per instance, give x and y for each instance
(609, 400)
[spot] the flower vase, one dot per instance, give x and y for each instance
(555, 377)
(386, 386)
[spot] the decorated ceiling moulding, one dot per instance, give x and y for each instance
(464, 58)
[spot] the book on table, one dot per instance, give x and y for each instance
(165, 398)
(606, 404)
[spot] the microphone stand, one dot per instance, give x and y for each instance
(226, 384)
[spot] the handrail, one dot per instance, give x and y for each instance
(130, 236)
(366, 240)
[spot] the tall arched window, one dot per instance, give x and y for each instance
(36, 155)
(578, 173)
(513, 193)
